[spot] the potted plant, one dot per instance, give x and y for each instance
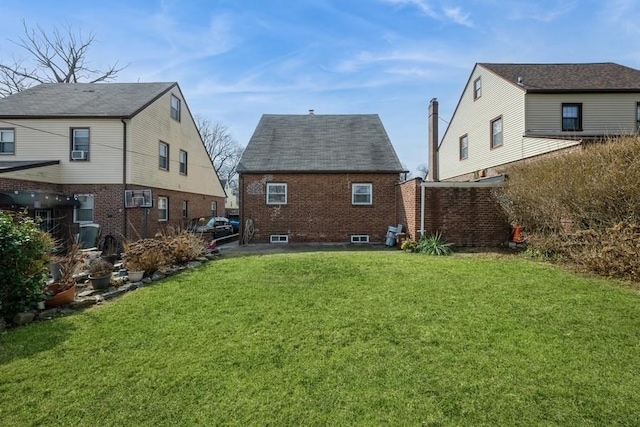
(100, 271)
(146, 256)
(63, 289)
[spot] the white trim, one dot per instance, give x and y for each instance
(166, 208)
(359, 238)
(460, 184)
(286, 192)
(87, 201)
(279, 238)
(353, 193)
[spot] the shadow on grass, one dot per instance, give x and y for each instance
(27, 341)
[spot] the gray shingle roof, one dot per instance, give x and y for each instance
(82, 99)
(590, 77)
(319, 143)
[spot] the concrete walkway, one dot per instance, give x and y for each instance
(233, 248)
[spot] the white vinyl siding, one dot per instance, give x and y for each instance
(473, 117)
(153, 124)
(605, 114)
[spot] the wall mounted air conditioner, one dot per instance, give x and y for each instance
(78, 155)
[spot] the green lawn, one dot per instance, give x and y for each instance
(337, 338)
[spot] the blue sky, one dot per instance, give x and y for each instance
(238, 59)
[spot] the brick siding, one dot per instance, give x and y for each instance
(109, 209)
(319, 207)
(409, 206)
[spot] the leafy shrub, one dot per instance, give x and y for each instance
(582, 206)
(24, 260)
(409, 245)
(433, 245)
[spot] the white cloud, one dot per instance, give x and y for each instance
(457, 16)
(453, 14)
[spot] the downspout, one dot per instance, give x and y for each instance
(422, 202)
(125, 218)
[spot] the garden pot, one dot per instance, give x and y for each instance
(55, 269)
(135, 276)
(100, 283)
(60, 298)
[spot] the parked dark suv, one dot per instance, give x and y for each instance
(213, 227)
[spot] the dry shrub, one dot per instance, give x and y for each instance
(146, 255)
(583, 206)
(184, 247)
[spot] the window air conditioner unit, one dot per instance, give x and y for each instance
(78, 155)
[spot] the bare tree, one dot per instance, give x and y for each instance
(423, 170)
(59, 57)
(225, 152)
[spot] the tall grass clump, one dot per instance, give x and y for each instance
(583, 206)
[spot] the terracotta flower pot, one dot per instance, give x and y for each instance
(60, 298)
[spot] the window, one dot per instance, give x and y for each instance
(7, 141)
(496, 132)
(638, 117)
(214, 208)
(163, 156)
(279, 238)
(79, 144)
(464, 147)
(477, 88)
(175, 108)
(571, 117)
(185, 209)
(182, 158)
(361, 194)
(276, 194)
(163, 208)
(84, 212)
(359, 238)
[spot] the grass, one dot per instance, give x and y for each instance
(337, 338)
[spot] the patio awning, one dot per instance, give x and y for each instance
(36, 199)
(12, 166)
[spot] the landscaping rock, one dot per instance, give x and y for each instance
(158, 276)
(67, 311)
(82, 303)
(86, 293)
(23, 318)
(48, 314)
(99, 299)
(194, 264)
(129, 287)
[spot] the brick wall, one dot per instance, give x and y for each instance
(408, 206)
(466, 216)
(110, 213)
(319, 207)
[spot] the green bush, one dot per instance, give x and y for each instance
(24, 260)
(433, 245)
(582, 206)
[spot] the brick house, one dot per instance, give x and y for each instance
(318, 178)
(127, 156)
(513, 112)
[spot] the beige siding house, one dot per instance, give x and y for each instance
(511, 112)
(127, 156)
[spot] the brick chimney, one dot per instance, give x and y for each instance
(433, 141)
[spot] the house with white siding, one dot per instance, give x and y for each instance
(511, 112)
(127, 156)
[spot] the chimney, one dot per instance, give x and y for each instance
(433, 141)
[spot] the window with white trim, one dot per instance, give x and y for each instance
(7, 141)
(276, 193)
(182, 159)
(79, 144)
(175, 107)
(361, 194)
(84, 212)
(214, 208)
(477, 88)
(185, 209)
(163, 156)
(163, 208)
(496, 132)
(464, 147)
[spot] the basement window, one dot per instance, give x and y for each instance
(279, 238)
(359, 238)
